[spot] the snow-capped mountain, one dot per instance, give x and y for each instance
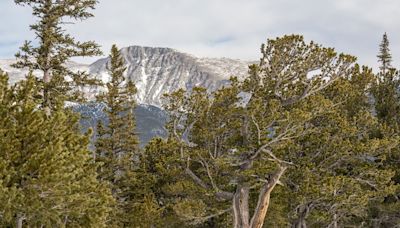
(157, 71)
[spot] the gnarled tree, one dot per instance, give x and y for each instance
(235, 142)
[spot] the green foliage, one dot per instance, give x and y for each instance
(181, 202)
(297, 143)
(384, 56)
(229, 146)
(309, 110)
(385, 91)
(117, 144)
(55, 48)
(46, 175)
(339, 171)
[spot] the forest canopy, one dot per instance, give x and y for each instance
(309, 138)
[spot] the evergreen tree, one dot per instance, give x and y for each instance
(117, 141)
(51, 177)
(56, 47)
(339, 172)
(46, 175)
(385, 92)
(239, 151)
(384, 56)
(385, 89)
(159, 172)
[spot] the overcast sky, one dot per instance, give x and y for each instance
(224, 28)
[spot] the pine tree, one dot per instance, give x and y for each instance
(339, 172)
(49, 172)
(237, 151)
(55, 47)
(46, 175)
(117, 141)
(385, 91)
(158, 173)
(384, 56)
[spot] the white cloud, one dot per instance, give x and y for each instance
(231, 28)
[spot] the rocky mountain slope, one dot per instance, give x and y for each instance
(155, 71)
(150, 120)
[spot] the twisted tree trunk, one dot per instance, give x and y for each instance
(241, 203)
(260, 212)
(241, 207)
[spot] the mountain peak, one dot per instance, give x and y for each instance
(147, 49)
(156, 71)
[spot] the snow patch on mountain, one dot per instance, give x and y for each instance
(155, 71)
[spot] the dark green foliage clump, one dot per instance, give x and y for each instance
(55, 48)
(117, 147)
(308, 139)
(46, 174)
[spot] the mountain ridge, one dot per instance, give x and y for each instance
(156, 71)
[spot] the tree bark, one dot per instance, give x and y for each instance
(20, 220)
(241, 207)
(335, 223)
(260, 212)
(303, 212)
(300, 223)
(46, 76)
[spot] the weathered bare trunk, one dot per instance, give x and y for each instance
(300, 223)
(65, 221)
(241, 207)
(260, 212)
(20, 220)
(46, 98)
(335, 223)
(46, 76)
(302, 214)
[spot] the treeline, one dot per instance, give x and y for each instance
(309, 139)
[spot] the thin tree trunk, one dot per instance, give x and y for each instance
(237, 222)
(241, 207)
(303, 212)
(260, 212)
(46, 76)
(20, 220)
(300, 223)
(335, 223)
(65, 221)
(46, 98)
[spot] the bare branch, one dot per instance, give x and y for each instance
(196, 179)
(274, 158)
(218, 193)
(258, 129)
